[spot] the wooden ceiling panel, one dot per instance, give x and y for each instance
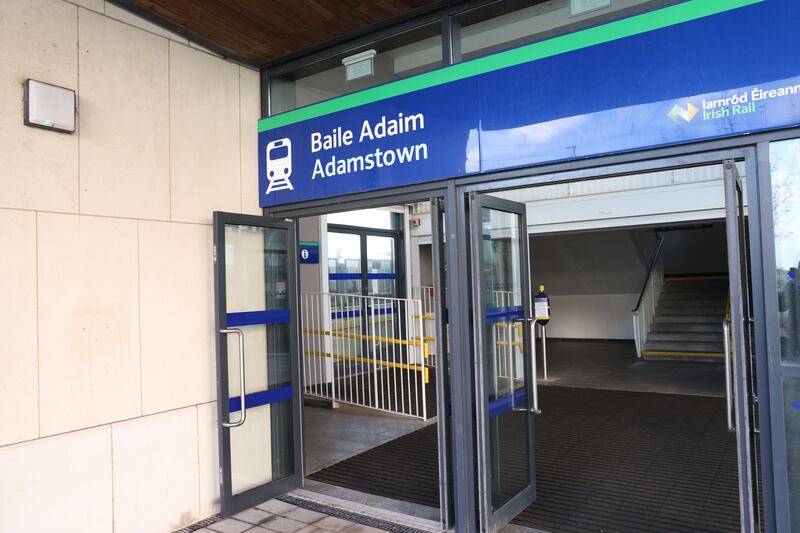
(261, 31)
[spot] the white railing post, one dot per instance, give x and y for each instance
(423, 364)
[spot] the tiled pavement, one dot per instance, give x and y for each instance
(276, 516)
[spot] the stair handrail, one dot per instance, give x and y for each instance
(651, 290)
(653, 261)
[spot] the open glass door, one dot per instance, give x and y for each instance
(257, 372)
(740, 362)
(504, 378)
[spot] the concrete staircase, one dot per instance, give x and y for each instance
(688, 320)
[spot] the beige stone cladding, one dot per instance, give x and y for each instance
(107, 389)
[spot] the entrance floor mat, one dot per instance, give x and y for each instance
(605, 461)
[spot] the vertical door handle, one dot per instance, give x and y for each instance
(243, 416)
(726, 349)
(536, 409)
(535, 385)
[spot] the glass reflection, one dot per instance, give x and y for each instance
(785, 175)
(501, 282)
(785, 160)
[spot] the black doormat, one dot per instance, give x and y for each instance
(605, 461)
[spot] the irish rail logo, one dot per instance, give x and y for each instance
(686, 113)
(279, 165)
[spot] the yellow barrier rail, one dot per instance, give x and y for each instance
(378, 362)
(358, 336)
(517, 344)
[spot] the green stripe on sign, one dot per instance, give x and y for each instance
(636, 25)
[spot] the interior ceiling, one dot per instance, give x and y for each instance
(262, 31)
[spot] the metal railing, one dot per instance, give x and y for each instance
(645, 309)
(366, 351)
(507, 348)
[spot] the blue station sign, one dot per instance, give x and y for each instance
(696, 70)
(308, 253)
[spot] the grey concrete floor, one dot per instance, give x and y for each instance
(332, 435)
(612, 365)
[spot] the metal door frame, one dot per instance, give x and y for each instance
(450, 511)
(757, 201)
(229, 503)
(740, 321)
(443, 364)
(753, 149)
(489, 518)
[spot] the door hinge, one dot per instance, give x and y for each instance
(215, 253)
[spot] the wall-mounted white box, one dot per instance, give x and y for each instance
(359, 65)
(580, 7)
(49, 106)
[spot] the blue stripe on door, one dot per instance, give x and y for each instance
(381, 275)
(341, 276)
(503, 314)
(254, 318)
(506, 403)
(356, 276)
(264, 397)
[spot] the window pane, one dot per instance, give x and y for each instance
(791, 410)
(365, 218)
(412, 52)
(785, 175)
(501, 283)
(344, 263)
(256, 274)
(503, 25)
(381, 266)
(785, 160)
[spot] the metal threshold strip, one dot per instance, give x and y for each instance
(360, 513)
(718, 355)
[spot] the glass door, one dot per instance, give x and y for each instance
(504, 377)
(257, 361)
(739, 357)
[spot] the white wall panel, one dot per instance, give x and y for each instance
(592, 316)
(205, 156)
(156, 484)
(89, 321)
(94, 5)
(250, 112)
(61, 483)
(39, 168)
(124, 141)
(129, 18)
(19, 387)
(208, 460)
(177, 303)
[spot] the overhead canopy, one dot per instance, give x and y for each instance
(258, 32)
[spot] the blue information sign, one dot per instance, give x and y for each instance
(696, 70)
(308, 253)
